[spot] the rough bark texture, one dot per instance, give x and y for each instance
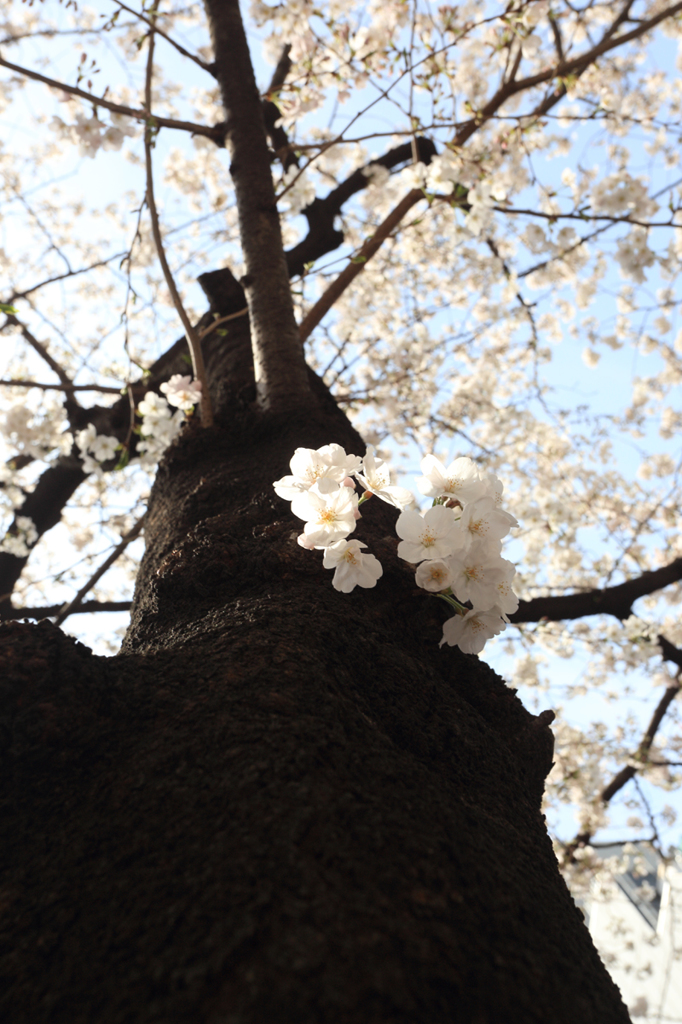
(279, 803)
(280, 367)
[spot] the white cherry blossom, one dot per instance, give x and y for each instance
(507, 600)
(21, 539)
(182, 392)
(476, 576)
(328, 517)
(95, 448)
(469, 632)
(461, 480)
(434, 575)
(353, 568)
(376, 478)
(482, 521)
(325, 467)
(433, 535)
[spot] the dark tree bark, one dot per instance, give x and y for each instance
(279, 365)
(279, 803)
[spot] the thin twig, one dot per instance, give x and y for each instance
(222, 320)
(39, 347)
(216, 133)
(638, 761)
(131, 422)
(193, 340)
(61, 277)
(181, 49)
(49, 611)
(65, 387)
(584, 217)
(71, 606)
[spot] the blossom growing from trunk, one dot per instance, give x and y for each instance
(95, 448)
(434, 575)
(461, 480)
(458, 544)
(483, 521)
(22, 539)
(376, 478)
(353, 568)
(433, 535)
(469, 632)
(476, 576)
(182, 392)
(506, 598)
(328, 517)
(493, 488)
(325, 467)
(158, 428)
(153, 407)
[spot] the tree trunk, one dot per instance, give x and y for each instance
(279, 803)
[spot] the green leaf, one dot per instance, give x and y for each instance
(124, 460)
(4, 308)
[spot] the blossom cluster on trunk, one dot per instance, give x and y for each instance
(456, 544)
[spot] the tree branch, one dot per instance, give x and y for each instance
(625, 774)
(50, 611)
(357, 263)
(65, 387)
(71, 606)
(616, 601)
(322, 236)
(61, 277)
(216, 132)
(59, 482)
(640, 758)
(39, 348)
(564, 69)
(192, 340)
(279, 140)
(181, 49)
(44, 507)
(464, 132)
(280, 368)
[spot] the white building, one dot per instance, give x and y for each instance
(635, 919)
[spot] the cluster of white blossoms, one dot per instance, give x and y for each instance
(19, 542)
(321, 490)
(90, 134)
(95, 448)
(182, 392)
(159, 424)
(456, 544)
(158, 428)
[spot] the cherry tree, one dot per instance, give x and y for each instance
(282, 793)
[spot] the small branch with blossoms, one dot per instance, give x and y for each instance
(193, 341)
(158, 428)
(214, 132)
(456, 544)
